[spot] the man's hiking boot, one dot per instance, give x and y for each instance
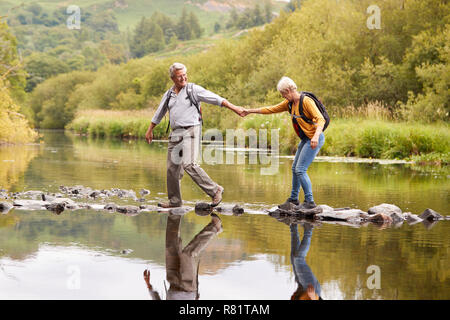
(217, 197)
(167, 205)
(288, 205)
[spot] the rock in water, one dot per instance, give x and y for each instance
(411, 218)
(345, 215)
(30, 204)
(55, 207)
(111, 207)
(127, 209)
(325, 208)
(233, 209)
(147, 207)
(430, 215)
(380, 218)
(387, 209)
(203, 209)
(5, 207)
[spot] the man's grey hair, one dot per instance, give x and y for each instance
(286, 83)
(176, 66)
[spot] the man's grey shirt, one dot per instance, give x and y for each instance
(181, 112)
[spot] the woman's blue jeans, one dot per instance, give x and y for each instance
(303, 158)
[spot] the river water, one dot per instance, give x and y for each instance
(89, 254)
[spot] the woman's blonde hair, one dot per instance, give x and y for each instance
(286, 83)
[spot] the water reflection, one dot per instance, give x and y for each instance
(308, 288)
(182, 264)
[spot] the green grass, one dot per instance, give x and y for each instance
(387, 140)
(116, 124)
(365, 138)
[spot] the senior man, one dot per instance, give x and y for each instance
(182, 103)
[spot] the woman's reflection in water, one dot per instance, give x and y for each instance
(182, 264)
(308, 286)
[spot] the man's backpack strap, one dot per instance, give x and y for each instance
(191, 96)
(166, 105)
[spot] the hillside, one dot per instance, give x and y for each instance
(129, 12)
(53, 40)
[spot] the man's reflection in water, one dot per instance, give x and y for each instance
(182, 264)
(308, 286)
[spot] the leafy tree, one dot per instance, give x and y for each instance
(13, 125)
(217, 27)
(35, 8)
(94, 59)
(257, 18)
(194, 24)
(293, 5)
(148, 37)
(183, 28)
(166, 24)
(42, 66)
(11, 64)
(115, 53)
(49, 99)
(14, 128)
(232, 22)
(268, 11)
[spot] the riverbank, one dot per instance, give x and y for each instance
(364, 138)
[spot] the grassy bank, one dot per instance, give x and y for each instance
(383, 139)
(116, 124)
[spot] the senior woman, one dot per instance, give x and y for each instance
(312, 139)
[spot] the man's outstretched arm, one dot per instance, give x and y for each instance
(229, 105)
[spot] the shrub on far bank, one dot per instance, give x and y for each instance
(14, 128)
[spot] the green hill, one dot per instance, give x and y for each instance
(129, 12)
(115, 31)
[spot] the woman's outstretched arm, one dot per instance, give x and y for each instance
(283, 106)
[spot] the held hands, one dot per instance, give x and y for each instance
(245, 112)
(242, 112)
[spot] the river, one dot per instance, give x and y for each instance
(89, 254)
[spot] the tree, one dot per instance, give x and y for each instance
(217, 27)
(94, 58)
(11, 65)
(232, 21)
(49, 100)
(183, 28)
(41, 66)
(293, 5)
(35, 8)
(14, 128)
(166, 24)
(115, 53)
(257, 18)
(245, 19)
(194, 24)
(268, 8)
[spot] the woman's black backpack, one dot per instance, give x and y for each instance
(319, 105)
